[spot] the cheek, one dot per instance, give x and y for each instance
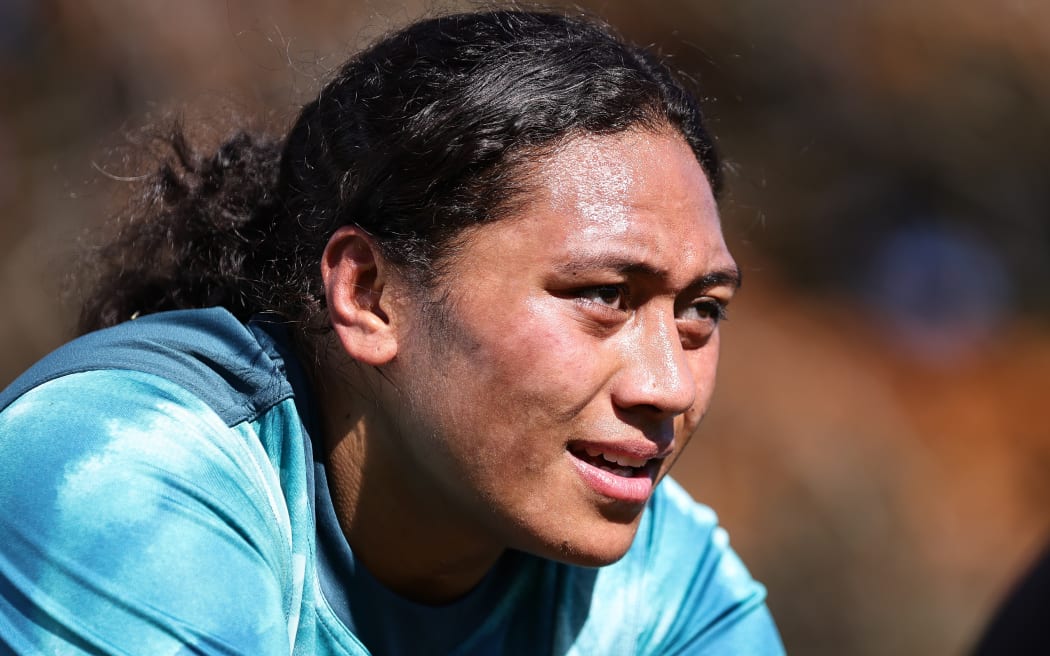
(516, 385)
(704, 363)
(537, 353)
(522, 386)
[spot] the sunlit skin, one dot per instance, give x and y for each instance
(586, 320)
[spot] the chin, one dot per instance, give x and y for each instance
(598, 547)
(593, 557)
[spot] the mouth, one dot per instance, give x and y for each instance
(617, 464)
(614, 474)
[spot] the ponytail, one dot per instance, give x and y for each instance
(189, 240)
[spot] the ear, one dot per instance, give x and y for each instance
(355, 277)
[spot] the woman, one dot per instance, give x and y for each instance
(458, 325)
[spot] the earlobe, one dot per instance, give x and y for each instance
(355, 281)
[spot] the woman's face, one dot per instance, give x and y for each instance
(575, 352)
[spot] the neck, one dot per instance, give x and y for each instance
(407, 537)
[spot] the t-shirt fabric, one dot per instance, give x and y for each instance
(159, 494)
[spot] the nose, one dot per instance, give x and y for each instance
(656, 376)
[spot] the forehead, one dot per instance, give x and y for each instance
(638, 194)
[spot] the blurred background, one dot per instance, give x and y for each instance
(878, 446)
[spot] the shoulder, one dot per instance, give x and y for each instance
(130, 475)
(90, 419)
(234, 369)
(122, 495)
(180, 396)
(681, 588)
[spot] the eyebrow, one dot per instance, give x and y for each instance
(722, 277)
(730, 277)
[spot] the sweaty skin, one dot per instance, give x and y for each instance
(574, 356)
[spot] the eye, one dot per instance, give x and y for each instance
(698, 320)
(707, 309)
(613, 297)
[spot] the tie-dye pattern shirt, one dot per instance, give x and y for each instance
(159, 495)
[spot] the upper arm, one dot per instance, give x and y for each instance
(706, 601)
(722, 610)
(680, 589)
(133, 525)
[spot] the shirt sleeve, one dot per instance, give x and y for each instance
(705, 600)
(679, 590)
(135, 522)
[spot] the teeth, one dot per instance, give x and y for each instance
(625, 461)
(618, 459)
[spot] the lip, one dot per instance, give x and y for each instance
(644, 449)
(633, 490)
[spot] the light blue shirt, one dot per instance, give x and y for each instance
(159, 495)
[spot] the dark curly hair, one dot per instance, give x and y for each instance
(421, 135)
